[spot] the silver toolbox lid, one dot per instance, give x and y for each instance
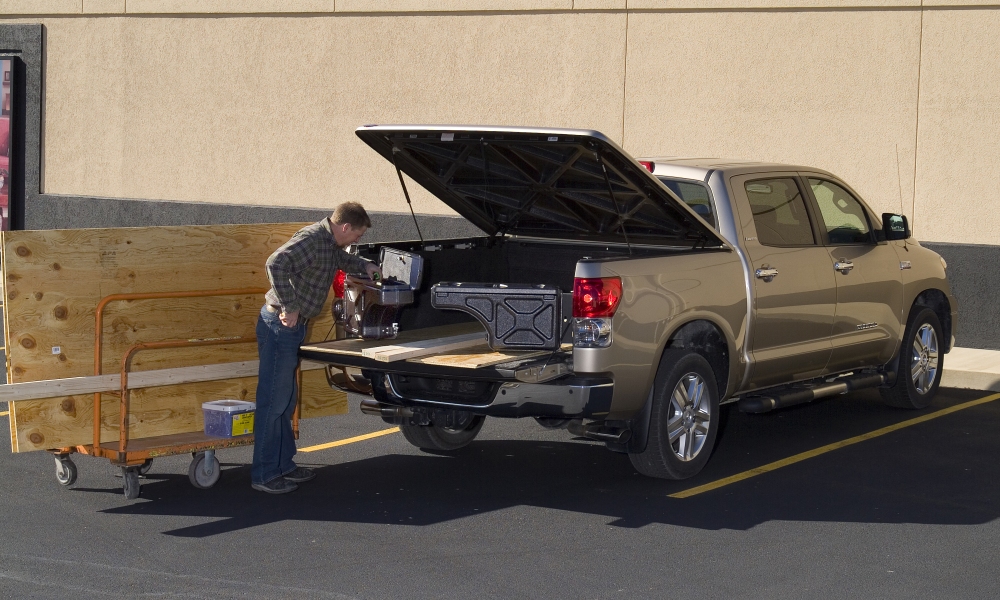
(404, 267)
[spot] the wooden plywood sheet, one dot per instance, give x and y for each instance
(478, 356)
(53, 281)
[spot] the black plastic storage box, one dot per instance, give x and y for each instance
(516, 316)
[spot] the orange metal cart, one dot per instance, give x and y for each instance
(135, 457)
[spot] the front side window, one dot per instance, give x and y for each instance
(843, 216)
(779, 212)
(694, 194)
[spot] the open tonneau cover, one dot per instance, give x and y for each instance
(541, 182)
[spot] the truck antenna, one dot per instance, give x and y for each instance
(899, 181)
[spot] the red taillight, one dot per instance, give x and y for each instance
(596, 297)
(647, 164)
(338, 284)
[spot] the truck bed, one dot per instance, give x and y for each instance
(475, 355)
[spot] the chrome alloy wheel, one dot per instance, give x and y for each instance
(924, 360)
(690, 416)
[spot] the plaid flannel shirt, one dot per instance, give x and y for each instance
(301, 271)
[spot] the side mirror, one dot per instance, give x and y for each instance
(895, 227)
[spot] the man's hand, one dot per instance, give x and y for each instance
(289, 319)
(372, 270)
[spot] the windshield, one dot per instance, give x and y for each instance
(694, 194)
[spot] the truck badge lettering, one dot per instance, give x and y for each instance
(867, 326)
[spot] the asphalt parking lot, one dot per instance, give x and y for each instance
(530, 513)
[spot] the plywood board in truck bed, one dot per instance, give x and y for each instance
(53, 281)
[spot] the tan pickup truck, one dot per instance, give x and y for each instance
(628, 299)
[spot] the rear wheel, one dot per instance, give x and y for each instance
(921, 362)
(684, 422)
(437, 437)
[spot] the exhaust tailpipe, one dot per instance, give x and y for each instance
(597, 431)
(386, 411)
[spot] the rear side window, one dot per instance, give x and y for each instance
(843, 216)
(694, 194)
(779, 212)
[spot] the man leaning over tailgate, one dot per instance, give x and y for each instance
(301, 273)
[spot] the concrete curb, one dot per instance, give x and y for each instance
(971, 368)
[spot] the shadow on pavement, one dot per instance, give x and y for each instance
(943, 471)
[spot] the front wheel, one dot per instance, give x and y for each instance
(204, 470)
(921, 363)
(684, 422)
(441, 438)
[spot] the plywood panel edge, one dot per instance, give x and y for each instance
(12, 413)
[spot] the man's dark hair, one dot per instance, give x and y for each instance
(353, 214)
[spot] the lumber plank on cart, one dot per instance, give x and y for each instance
(53, 281)
(50, 388)
(68, 421)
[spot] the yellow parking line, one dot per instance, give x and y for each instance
(4, 413)
(359, 438)
(828, 448)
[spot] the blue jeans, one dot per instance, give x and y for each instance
(274, 444)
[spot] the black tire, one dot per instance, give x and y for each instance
(130, 482)
(696, 425)
(446, 439)
(65, 471)
(920, 353)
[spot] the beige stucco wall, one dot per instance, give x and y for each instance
(835, 90)
(263, 111)
(959, 136)
(257, 104)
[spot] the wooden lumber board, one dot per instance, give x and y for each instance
(357, 346)
(423, 348)
(53, 281)
(168, 410)
(480, 356)
(51, 388)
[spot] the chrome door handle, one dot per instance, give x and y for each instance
(844, 266)
(766, 273)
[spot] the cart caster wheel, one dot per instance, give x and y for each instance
(65, 471)
(145, 466)
(130, 477)
(204, 471)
